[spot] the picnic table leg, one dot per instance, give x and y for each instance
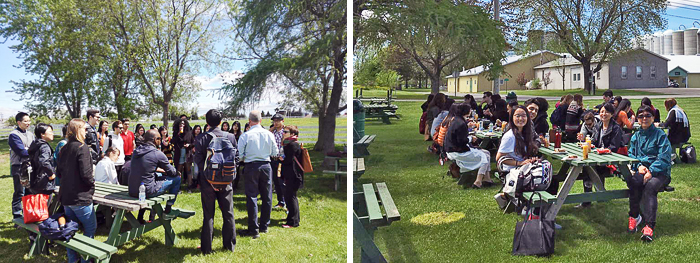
(116, 228)
(170, 236)
(563, 192)
(626, 173)
(369, 250)
(485, 143)
(595, 178)
(38, 246)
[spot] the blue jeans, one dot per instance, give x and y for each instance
(18, 192)
(86, 216)
(170, 185)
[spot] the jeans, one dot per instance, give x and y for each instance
(228, 231)
(172, 186)
(18, 192)
(85, 215)
(641, 193)
(278, 182)
(258, 180)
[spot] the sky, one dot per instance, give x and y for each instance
(10, 102)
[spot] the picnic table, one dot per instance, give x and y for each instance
(339, 169)
(573, 168)
(358, 169)
(384, 112)
(488, 137)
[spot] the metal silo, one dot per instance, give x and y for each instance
(668, 42)
(690, 37)
(678, 43)
(657, 44)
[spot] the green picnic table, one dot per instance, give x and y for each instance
(383, 112)
(489, 138)
(573, 168)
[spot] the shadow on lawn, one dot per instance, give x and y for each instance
(399, 251)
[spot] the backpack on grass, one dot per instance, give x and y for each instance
(220, 164)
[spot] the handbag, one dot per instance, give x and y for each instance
(534, 237)
(35, 208)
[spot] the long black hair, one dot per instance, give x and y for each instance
(228, 126)
(195, 128)
(525, 144)
(99, 128)
(139, 126)
(186, 135)
(239, 131)
(454, 111)
(621, 107)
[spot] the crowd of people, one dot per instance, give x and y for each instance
(610, 125)
(89, 153)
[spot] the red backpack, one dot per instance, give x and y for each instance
(421, 125)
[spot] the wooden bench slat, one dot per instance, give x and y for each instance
(333, 172)
(392, 213)
(80, 243)
(375, 214)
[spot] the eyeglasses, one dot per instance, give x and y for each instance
(644, 116)
(158, 138)
(285, 131)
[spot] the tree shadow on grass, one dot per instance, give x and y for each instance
(5, 176)
(152, 249)
(398, 248)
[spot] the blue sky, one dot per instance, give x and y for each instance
(10, 104)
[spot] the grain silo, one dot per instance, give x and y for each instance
(690, 37)
(668, 42)
(657, 44)
(678, 43)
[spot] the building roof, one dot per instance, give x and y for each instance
(569, 60)
(508, 60)
(690, 64)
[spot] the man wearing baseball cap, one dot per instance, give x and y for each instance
(278, 130)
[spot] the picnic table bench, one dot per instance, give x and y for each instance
(87, 247)
(383, 112)
(367, 216)
(360, 147)
(339, 169)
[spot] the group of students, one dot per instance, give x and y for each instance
(609, 125)
(88, 153)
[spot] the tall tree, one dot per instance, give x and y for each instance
(293, 44)
(57, 44)
(175, 37)
(594, 30)
(436, 34)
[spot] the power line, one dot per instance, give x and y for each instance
(695, 19)
(694, 8)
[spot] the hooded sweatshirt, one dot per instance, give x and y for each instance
(652, 148)
(42, 167)
(144, 162)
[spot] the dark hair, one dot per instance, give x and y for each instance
(92, 113)
(608, 93)
(454, 112)
(293, 130)
(138, 127)
(525, 145)
(448, 104)
(195, 128)
(161, 129)
(183, 115)
(621, 107)
(438, 101)
(153, 126)
(647, 109)
(139, 140)
(236, 124)
(20, 115)
(99, 127)
(495, 97)
(588, 115)
(488, 94)
(543, 104)
(41, 128)
(116, 124)
(176, 127)
(609, 108)
(618, 99)
(213, 117)
(646, 101)
(206, 127)
(512, 104)
(669, 103)
(111, 149)
(500, 105)
(228, 126)
(430, 98)
(247, 125)
(64, 130)
(125, 120)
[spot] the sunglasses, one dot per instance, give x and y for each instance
(640, 116)
(285, 131)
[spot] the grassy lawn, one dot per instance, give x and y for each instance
(475, 230)
(320, 238)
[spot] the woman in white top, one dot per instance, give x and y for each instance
(518, 146)
(105, 171)
(115, 140)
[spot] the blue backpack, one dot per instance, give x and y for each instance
(220, 164)
(52, 231)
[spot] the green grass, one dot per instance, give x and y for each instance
(320, 238)
(598, 234)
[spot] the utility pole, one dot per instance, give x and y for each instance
(497, 17)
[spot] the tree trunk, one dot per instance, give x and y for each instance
(165, 113)
(563, 79)
(326, 121)
(435, 84)
(586, 75)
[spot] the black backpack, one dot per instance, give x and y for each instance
(220, 164)
(25, 172)
(688, 154)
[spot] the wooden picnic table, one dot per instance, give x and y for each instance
(572, 169)
(488, 137)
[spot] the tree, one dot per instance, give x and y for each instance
(435, 34)
(521, 80)
(175, 36)
(596, 30)
(293, 44)
(547, 80)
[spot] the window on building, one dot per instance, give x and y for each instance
(598, 75)
(579, 76)
(573, 76)
(624, 72)
(639, 72)
(652, 72)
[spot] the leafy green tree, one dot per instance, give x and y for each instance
(292, 45)
(595, 30)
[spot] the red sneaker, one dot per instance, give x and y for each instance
(647, 234)
(633, 223)
(533, 217)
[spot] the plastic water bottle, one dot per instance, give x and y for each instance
(142, 193)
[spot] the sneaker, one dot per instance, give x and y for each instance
(647, 234)
(557, 226)
(633, 223)
(582, 205)
(533, 217)
(279, 206)
(250, 233)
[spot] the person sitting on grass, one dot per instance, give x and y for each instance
(605, 134)
(105, 170)
(144, 163)
(465, 158)
(652, 173)
(677, 123)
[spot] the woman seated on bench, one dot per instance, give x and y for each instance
(652, 148)
(518, 146)
(605, 134)
(677, 123)
(457, 147)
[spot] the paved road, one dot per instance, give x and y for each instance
(664, 93)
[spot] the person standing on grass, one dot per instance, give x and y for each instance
(651, 147)
(128, 138)
(209, 194)
(292, 173)
(115, 140)
(278, 131)
(42, 178)
(75, 168)
(19, 141)
(60, 145)
(256, 147)
(183, 143)
(92, 139)
(103, 133)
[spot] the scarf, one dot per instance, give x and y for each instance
(680, 116)
(292, 138)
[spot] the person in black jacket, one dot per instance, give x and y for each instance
(292, 173)
(538, 114)
(183, 142)
(145, 162)
(78, 183)
(210, 196)
(677, 123)
(43, 175)
(456, 145)
(92, 139)
(500, 111)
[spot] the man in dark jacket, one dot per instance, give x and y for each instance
(145, 161)
(607, 97)
(209, 195)
(91, 137)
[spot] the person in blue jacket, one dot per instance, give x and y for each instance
(652, 148)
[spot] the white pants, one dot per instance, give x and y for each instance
(472, 160)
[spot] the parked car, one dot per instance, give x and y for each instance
(673, 84)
